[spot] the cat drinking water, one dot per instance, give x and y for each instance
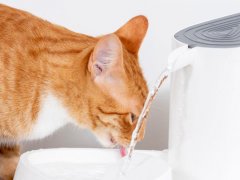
(51, 76)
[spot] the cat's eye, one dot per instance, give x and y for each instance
(133, 117)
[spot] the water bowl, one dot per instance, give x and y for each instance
(91, 164)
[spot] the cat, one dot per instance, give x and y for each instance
(51, 76)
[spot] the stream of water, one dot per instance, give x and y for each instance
(147, 105)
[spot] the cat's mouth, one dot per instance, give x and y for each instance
(123, 150)
(113, 141)
(108, 140)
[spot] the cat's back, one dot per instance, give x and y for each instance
(15, 24)
(13, 41)
(16, 66)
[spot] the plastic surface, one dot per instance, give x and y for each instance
(90, 164)
(204, 115)
(180, 58)
(219, 33)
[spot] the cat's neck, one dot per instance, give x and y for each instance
(64, 60)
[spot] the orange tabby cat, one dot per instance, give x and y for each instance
(50, 76)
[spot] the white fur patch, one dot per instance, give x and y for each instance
(51, 117)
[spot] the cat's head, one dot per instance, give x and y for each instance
(119, 87)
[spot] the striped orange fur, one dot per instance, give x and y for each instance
(97, 80)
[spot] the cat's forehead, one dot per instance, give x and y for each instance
(137, 86)
(136, 106)
(131, 90)
(132, 103)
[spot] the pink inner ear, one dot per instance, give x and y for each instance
(98, 70)
(107, 55)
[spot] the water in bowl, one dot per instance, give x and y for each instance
(70, 171)
(99, 171)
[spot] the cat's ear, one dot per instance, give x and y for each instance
(107, 57)
(133, 32)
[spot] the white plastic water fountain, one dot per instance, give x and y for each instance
(204, 137)
(204, 129)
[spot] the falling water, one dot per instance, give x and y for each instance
(151, 96)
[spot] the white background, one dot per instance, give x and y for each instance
(105, 16)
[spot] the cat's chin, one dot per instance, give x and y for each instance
(110, 142)
(107, 141)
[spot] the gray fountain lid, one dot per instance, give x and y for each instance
(219, 33)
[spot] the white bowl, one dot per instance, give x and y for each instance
(90, 164)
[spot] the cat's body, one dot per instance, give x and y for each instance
(51, 117)
(50, 76)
